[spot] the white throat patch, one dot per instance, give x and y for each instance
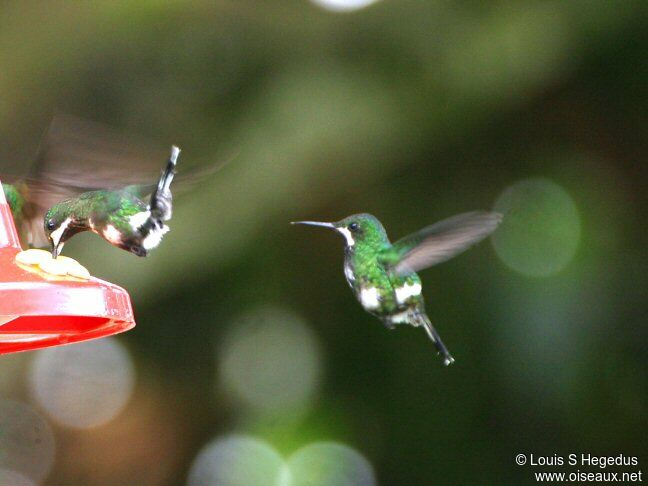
(58, 232)
(347, 235)
(112, 234)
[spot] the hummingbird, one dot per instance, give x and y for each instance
(119, 217)
(383, 275)
(86, 177)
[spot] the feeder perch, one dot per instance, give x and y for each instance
(37, 310)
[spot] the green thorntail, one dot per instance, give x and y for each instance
(383, 275)
(120, 217)
(87, 177)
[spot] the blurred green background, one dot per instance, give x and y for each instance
(251, 356)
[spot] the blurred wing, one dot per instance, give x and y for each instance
(440, 241)
(83, 155)
(39, 197)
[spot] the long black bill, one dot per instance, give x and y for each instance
(315, 223)
(56, 250)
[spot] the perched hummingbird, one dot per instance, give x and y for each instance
(383, 275)
(88, 178)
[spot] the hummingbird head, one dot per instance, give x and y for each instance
(60, 226)
(357, 229)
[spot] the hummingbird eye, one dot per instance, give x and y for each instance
(51, 224)
(354, 226)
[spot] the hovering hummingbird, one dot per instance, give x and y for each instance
(88, 178)
(383, 275)
(120, 217)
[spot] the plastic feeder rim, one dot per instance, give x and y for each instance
(37, 311)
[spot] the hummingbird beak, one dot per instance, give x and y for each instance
(315, 223)
(56, 250)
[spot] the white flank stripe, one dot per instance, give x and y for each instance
(369, 298)
(112, 234)
(406, 291)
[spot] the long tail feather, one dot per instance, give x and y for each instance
(436, 339)
(169, 172)
(161, 199)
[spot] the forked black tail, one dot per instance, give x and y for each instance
(161, 204)
(424, 321)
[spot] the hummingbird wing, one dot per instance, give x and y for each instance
(38, 197)
(439, 242)
(82, 155)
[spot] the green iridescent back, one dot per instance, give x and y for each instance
(102, 207)
(109, 207)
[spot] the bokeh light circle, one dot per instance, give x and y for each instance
(343, 5)
(83, 385)
(26, 444)
(270, 361)
(236, 461)
(328, 464)
(541, 228)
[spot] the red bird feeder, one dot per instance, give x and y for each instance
(37, 310)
